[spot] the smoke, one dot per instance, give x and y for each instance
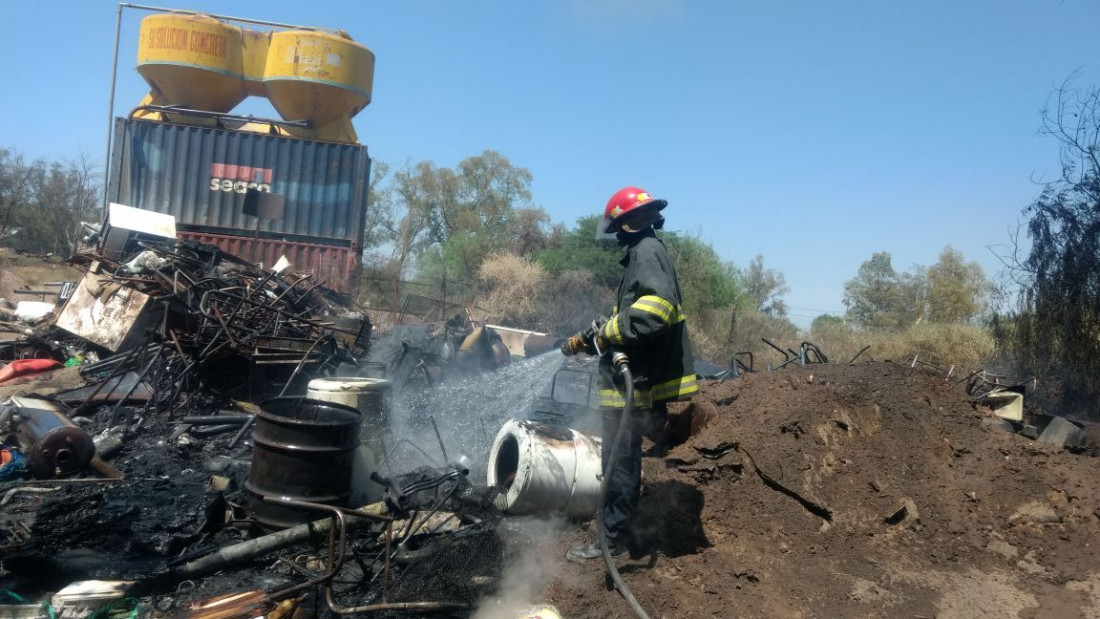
(528, 569)
(458, 419)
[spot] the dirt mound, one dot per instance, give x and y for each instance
(854, 491)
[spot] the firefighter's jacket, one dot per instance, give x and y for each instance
(648, 325)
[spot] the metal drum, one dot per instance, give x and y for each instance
(303, 450)
(370, 396)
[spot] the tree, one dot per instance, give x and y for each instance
(872, 298)
(1057, 330)
(450, 220)
(912, 297)
(378, 229)
(43, 204)
(421, 193)
(827, 323)
(706, 281)
(15, 186)
(579, 250)
(765, 288)
(958, 291)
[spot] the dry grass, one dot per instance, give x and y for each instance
(512, 286)
(943, 345)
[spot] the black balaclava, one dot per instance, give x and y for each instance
(635, 227)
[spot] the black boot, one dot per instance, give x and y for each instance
(591, 550)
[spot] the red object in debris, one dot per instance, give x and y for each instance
(22, 367)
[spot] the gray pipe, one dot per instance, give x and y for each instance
(245, 551)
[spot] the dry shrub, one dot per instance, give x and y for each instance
(965, 346)
(512, 287)
(840, 342)
(571, 301)
(716, 335)
(944, 345)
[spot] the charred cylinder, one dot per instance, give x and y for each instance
(303, 450)
(54, 445)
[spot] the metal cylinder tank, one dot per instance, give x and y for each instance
(371, 397)
(303, 450)
(193, 61)
(55, 446)
(318, 76)
(545, 469)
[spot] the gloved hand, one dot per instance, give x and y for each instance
(584, 342)
(598, 322)
(576, 344)
(588, 341)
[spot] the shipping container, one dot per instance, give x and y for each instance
(200, 175)
(335, 266)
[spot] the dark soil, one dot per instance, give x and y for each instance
(853, 491)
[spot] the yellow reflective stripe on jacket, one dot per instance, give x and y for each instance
(676, 389)
(657, 306)
(616, 399)
(683, 387)
(611, 330)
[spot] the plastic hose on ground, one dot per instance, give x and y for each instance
(601, 534)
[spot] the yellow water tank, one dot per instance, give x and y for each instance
(193, 61)
(198, 62)
(320, 77)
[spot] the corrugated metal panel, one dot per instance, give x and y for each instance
(336, 266)
(200, 175)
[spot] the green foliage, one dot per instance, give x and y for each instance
(706, 281)
(42, 204)
(958, 291)
(827, 323)
(475, 222)
(452, 219)
(765, 288)
(579, 250)
(951, 291)
(873, 297)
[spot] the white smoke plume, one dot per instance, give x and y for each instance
(529, 567)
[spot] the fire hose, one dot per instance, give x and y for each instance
(591, 342)
(620, 361)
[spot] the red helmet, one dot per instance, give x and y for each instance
(628, 200)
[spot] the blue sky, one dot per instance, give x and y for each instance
(814, 133)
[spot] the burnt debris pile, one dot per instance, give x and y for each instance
(190, 434)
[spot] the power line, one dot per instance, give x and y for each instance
(813, 309)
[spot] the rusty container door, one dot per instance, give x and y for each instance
(336, 266)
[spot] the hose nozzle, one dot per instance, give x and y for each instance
(619, 360)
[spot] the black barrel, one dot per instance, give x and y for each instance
(303, 450)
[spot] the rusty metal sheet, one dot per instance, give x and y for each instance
(104, 313)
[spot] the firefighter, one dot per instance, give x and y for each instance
(648, 325)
